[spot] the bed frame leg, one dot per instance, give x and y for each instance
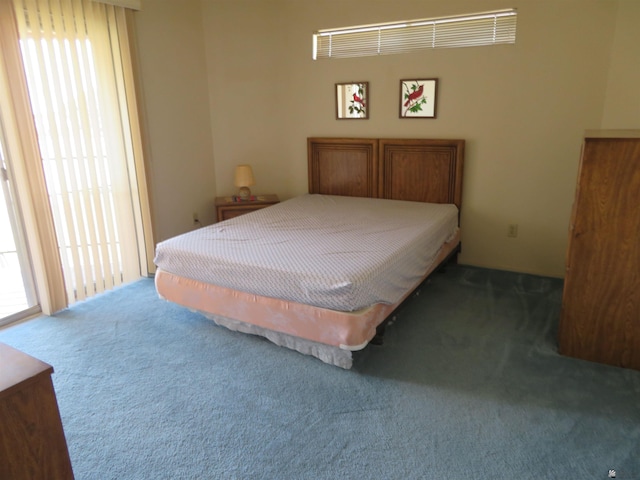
(452, 259)
(378, 339)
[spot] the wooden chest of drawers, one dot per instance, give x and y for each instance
(32, 441)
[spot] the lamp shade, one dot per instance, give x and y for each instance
(244, 176)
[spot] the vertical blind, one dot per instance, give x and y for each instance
(488, 28)
(72, 63)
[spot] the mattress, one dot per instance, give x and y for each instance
(264, 315)
(333, 252)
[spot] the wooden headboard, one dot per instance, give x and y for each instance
(418, 170)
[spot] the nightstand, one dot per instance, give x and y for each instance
(226, 208)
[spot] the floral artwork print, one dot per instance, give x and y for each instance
(357, 105)
(352, 100)
(417, 98)
(414, 96)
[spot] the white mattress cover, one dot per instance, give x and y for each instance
(335, 252)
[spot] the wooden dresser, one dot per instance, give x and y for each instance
(600, 319)
(32, 442)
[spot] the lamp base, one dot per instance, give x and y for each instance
(244, 193)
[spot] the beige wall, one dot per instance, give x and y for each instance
(622, 105)
(171, 51)
(522, 109)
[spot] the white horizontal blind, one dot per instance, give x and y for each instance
(489, 28)
(131, 4)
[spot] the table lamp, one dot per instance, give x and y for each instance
(244, 179)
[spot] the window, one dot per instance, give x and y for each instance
(488, 28)
(79, 83)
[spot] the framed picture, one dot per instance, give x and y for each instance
(418, 98)
(352, 101)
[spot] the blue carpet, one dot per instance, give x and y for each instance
(468, 385)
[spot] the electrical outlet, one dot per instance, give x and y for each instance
(512, 230)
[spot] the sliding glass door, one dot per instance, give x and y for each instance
(18, 297)
(73, 64)
(72, 138)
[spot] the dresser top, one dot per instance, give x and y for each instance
(631, 133)
(17, 367)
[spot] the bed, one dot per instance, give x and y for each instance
(323, 272)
